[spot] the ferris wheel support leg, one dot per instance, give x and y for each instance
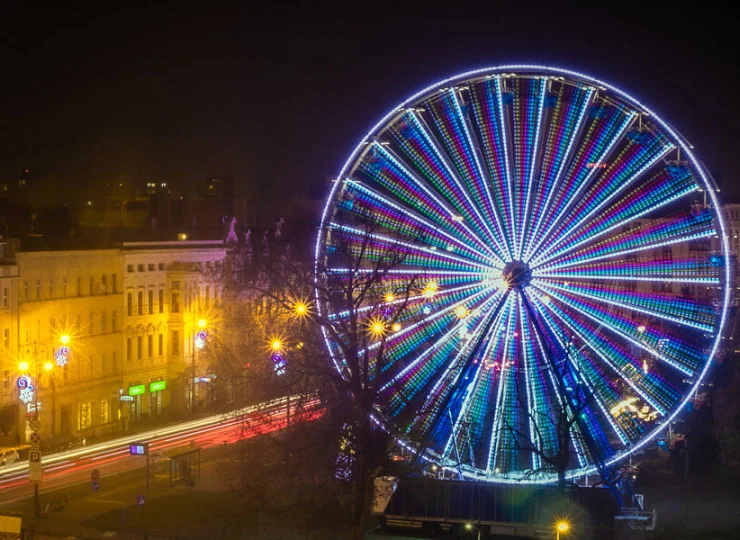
(583, 396)
(451, 394)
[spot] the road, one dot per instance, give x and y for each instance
(112, 457)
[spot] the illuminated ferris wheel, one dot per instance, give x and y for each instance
(568, 274)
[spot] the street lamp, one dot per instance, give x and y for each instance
(561, 527)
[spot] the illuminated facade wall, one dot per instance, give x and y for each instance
(130, 313)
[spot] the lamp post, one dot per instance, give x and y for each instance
(561, 527)
(200, 342)
(61, 360)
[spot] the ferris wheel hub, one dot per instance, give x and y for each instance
(516, 275)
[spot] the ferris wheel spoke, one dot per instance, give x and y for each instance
(420, 377)
(567, 120)
(527, 111)
(382, 167)
(488, 110)
(408, 222)
(683, 270)
(405, 340)
(424, 152)
(458, 142)
(501, 453)
(659, 233)
(479, 387)
(401, 300)
(382, 246)
(654, 391)
(682, 311)
(607, 127)
(540, 409)
(631, 164)
(660, 191)
(566, 386)
(667, 348)
(626, 426)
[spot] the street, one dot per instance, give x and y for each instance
(68, 468)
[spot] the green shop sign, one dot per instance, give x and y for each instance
(136, 390)
(156, 386)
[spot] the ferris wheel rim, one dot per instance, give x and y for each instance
(552, 71)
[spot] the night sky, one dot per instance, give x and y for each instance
(277, 96)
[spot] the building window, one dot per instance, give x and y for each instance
(129, 268)
(139, 344)
(129, 304)
(114, 321)
(151, 267)
(114, 357)
(38, 289)
(104, 411)
(78, 323)
(6, 338)
(150, 345)
(53, 324)
(161, 266)
(102, 321)
(64, 285)
(84, 415)
(175, 304)
(79, 285)
(104, 284)
(90, 326)
(6, 297)
(140, 268)
(25, 290)
(160, 348)
(175, 343)
(92, 285)
(161, 300)
(51, 287)
(114, 283)
(128, 349)
(151, 301)
(140, 298)
(208, 297)
(6, 380)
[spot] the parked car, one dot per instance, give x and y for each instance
(8, 456)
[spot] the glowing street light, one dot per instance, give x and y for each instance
(276, 344)
(300, 308)
(377, 327)
(64, 339)
(390, 297)
(48, 366)
(561, 527)
(461, 312)
(202, 323)
(431, 289)
(23, 366)
(396, 327)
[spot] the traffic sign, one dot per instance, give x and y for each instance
(35, 425)
(140, 500)
(95, 486)
(95, 475)
(35, 438)
(34, 466)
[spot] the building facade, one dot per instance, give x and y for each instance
(106, 336)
